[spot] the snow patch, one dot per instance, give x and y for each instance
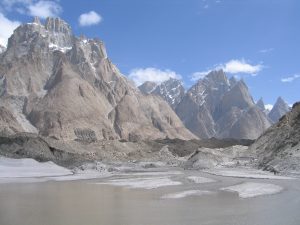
(18, 168)
(200, 180)
(250, 189)
(146, 183)
(184, 194)
(54, 47)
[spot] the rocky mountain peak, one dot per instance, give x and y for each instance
(37, 38)
(147, 87)
(217, 76)
(57, 25)
(36, 20)
(171, 91)
(218, 107)
(233, 81)
(260, 104)
(279, 109)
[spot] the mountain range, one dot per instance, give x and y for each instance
(216, 106)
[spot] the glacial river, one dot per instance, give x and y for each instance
(109, 201)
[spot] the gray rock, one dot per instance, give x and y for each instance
(279, 109)
(172, 90)
(278, 148)
(147, 87)
(218, 107)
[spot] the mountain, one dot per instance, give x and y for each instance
(260, 104)
(279, 109)
(62, 86)
(220, 107)
(172, 90)
(278, 149)
(147, 87)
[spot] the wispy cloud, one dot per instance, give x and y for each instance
(141, 75)
(90, 18)
(290, 78)
(234, 66)
(6, 28)
(266, 50)
(44, 9)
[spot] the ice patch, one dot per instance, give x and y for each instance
(184, 194)
(200, 180)
(249, 189)
(53, 46)
(246, 173)
(22, 168)
(146, 183)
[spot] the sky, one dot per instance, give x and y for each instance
(256, 40)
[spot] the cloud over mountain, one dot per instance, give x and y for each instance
(140, 75)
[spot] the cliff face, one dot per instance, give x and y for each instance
(279, 147)
(60, 85)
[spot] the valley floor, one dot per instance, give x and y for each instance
(143, 194)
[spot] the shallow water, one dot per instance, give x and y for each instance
(87, 202)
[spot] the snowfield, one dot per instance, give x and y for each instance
(251, 189)
(22, 168)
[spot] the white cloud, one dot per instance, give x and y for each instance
(199, 75)
(44, 9)
(6, 28)
(269, 107)
(267, 50)
(241, 66)
(233, 66)
(290, 78)
(90, 18)
(140, 75)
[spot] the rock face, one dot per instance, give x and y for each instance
(279, 109)
(62, 86)
(220, 107)
(278, 149)
(147, 87)
(172, 90)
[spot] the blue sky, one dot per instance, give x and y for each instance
(258, 40)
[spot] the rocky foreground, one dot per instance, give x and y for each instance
(277, 151)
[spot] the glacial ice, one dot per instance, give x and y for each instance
(251, 189)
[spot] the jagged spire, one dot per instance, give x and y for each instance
(36, 20)
(280, 108)
(260, 104)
